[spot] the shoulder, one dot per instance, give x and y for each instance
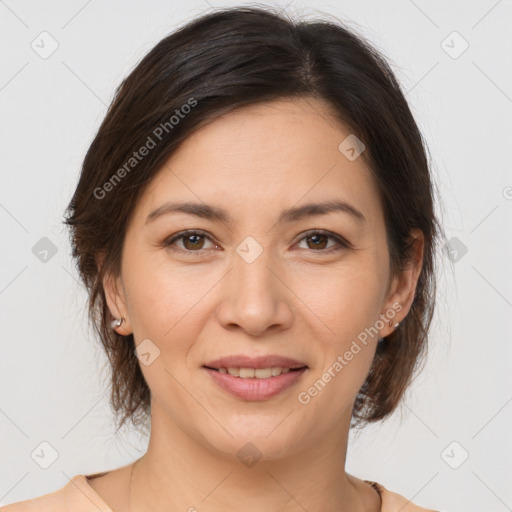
(76, 496)
(392, 501)
(54, 502)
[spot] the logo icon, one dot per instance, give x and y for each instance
(44, 45)
(456, 249)
(249, 250)
(44, 250)
(454, 45)
(44, 455)
(249, 455)
(146, 351)
(454, 455)
(351, 147)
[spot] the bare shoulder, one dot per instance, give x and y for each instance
(52, 502)
(392, 501)
(111, 487)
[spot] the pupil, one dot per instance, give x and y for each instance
(195, 243)
(317, 243)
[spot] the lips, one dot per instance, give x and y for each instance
(242, 361)
(254, 389)
(255, 378)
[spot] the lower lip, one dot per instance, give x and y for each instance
(255, 389)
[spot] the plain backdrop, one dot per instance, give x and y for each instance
(449, 446)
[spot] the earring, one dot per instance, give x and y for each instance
(116, 323)
(391, 324)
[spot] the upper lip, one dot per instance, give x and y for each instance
(242, 361)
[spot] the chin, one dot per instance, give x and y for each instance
(250, 444)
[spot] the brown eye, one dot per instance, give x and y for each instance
(191, 241)
(317, 241)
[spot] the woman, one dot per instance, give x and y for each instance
(254, 224)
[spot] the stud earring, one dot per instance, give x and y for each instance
(116, 323)
(393, 325)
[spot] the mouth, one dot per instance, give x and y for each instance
(254, 378)
(256, 373)
(255, 384)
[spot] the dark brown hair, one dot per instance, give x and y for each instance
(215, 64)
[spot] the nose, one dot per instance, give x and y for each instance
(255, 297)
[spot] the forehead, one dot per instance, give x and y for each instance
(276, 153)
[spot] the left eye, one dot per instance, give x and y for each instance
(193, 241)
(319, 240)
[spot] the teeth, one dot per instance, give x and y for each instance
(259, 373)
(262, 373)
(246, 373)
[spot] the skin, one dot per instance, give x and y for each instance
(296, 299)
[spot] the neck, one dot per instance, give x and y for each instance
(179, 472)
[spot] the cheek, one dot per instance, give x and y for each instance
(345, 300)
(161, 296)
(168, 304)
(346, 346)
(348, 305)
(165, 303)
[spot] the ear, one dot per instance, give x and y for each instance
(116, 298)
(403, 286)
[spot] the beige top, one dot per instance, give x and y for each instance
(78, 496)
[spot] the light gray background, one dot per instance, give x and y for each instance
(52, 371)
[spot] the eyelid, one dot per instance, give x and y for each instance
(340, 241)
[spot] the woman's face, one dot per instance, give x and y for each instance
(256, 280)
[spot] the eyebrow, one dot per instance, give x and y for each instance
(293, 214)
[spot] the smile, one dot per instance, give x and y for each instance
(258, 373)
(255, 384)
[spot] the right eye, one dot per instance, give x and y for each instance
(191, 240)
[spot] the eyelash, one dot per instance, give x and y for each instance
(342, 243)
